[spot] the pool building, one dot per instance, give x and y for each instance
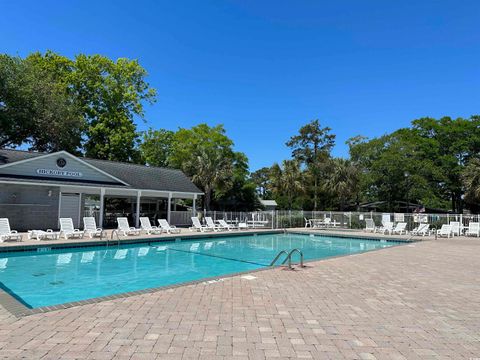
(38, 188)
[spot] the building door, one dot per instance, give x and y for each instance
(70, 207)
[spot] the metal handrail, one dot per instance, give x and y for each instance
(278, 255)
(289, 258)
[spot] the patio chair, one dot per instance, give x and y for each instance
(226, 225)
(370, 225)
(400, 228)
(445, 230)
(308, 223)
(197, 225)
(68, 230)
(125, 228)
(90, 227)
(421, 229)
(456, 228)
(211, 224)
(387, 227)
(147, 227)
(6, 233)
(473, 229)
(170, 229)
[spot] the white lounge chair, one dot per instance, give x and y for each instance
(6, 233)
(400, 228)
(40, 234)
(212, 225)
(308, 223)
(422, 229)
(445, 230)
(370, 225)
(125, 228)
(147, 226)
(456, 228)
(68, 230)
(90, 227)
(387, 227)
(226, 225)
(473, 229)
(197, 225)
(170, 229)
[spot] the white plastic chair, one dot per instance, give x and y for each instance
(445, 230)
(473, 229)
(212, 225)
(165, 226)
(197, 225)
(90, 227)
(68, 230)
(6, 233)
(422, 229)
(125, 228)
(369, 225)
(400, 228)
(147, 226)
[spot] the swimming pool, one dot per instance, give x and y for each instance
(39, 279)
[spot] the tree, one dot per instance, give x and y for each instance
(110, 94)
(287, 183)
(211, 170)
(471, 181)
(261, 180)
(156, 147)
(206, 154)
(36, 109)
(342, 180)
(312, 147)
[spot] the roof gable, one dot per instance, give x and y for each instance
(56, 166)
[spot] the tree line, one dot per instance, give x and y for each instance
(89, 106)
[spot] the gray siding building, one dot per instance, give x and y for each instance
(38, 188)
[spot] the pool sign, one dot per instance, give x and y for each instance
(56, 172)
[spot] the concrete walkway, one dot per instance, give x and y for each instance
(418, 301)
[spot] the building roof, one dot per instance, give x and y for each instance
(137, 176)
(268, 202)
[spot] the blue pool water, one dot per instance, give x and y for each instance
(60, 276)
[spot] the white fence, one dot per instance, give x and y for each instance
(282, 219)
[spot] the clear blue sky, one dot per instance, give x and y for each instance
(264, 68)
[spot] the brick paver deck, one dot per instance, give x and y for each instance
(418, 301)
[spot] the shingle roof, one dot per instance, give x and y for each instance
(137, 176)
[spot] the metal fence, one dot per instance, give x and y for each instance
(282, 219)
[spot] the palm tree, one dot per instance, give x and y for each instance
(287, 180)
(211, 170)
(342, 180)
(471, 179)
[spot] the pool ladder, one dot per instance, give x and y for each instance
(114, 232)
(288, 258)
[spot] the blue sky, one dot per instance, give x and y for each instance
(264, 68)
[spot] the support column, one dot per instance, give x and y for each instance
(169, 207)
(194, 206)
(137, 212)
(102, 201)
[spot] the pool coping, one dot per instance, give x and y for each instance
(17, 308)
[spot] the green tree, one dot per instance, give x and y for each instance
(206, 154)
(342, 180)
(287, 183)
(312, 147)
(36, 109)
(471, 182)
(156, 147)
(261, 181)
(110, 95)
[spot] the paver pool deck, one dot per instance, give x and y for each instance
(417, 301)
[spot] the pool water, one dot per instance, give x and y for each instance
(60, 276)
